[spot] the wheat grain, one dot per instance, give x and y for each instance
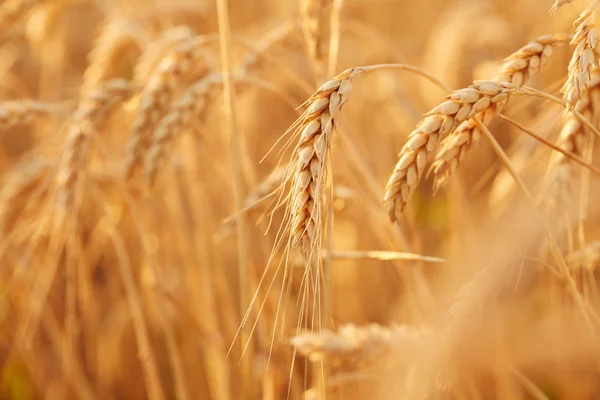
(585, 55)
(310, 157)
(517, 69)
(193, 100)
(85, 122)
(189, 55)
(436, 124)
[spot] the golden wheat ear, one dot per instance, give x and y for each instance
(560, 177)
(187, 57)
(585, 56)
(518, 69)
(437, 124)
(310, 157)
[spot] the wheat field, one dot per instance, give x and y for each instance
(299, 199)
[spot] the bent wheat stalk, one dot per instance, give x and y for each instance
(437, 124)
(517, 69)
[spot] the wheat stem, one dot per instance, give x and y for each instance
(236, 157)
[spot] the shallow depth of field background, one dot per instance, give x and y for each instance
(515, 337)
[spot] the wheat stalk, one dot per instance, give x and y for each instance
(181, 111)
(517, 69)
(91, 113)
(156, 96)
(585, 55)
(437, 124)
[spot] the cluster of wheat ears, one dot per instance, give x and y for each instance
(164, 236)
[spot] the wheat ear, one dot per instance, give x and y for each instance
(585, 55)
(517, 69)
(355, 342)
(155, 51)
(315, 18)
(85, 122)
(560, 177)
(156, 96)
(436, 124)
(21, 112)
(181, 111)
(310, 156)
